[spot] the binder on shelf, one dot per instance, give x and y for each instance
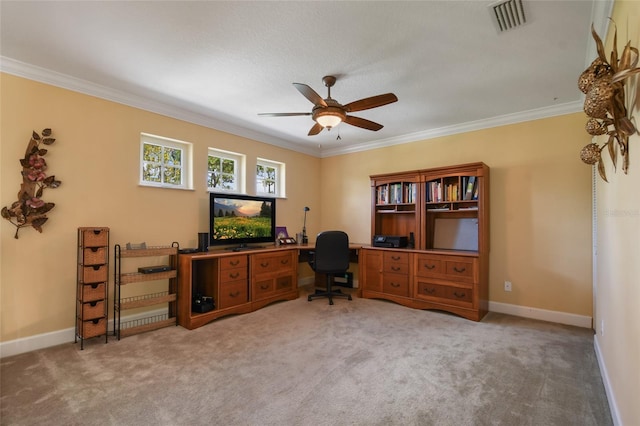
(470, 188)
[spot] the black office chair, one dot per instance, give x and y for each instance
(330, 257)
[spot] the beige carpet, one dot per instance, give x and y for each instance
(364, 362)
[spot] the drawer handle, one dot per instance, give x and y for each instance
(396, 258)
(429, 290)
(234, 262)
(234, 275)
(455, 268)
(426, 265)
(236, 294)
(93, 304)
(94, 249)
(395, 268)
(459, 295)
(395, 285)
(284, 261)
(265, 264)
(264, 286)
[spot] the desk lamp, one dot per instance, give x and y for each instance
(305, 240)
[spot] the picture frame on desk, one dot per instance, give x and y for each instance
(286, 241)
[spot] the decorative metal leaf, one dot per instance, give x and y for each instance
(621, 75)
(599, 45)
(24, 162)
(48, 141)
(55, 184)
(5, 213)
(49, 179)
(46, 132)
(35, 136)
(39, 192)
(613, 151)
(42, 152)
(614, 52)
(601, 171)
(37, 223)
(44, 209)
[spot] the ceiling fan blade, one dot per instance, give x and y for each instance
(372, 102)
(310, 94)
(283, 114)
(361, 122)
(317, 128)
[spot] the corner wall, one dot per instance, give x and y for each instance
(617, 279)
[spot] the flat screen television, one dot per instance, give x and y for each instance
(239, 221)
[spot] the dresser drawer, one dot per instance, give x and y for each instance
(429, 266)
(262, 288)
(396, 284)
(228, 275)
(272, 262)
(461, 269)
(452, 295)
(396, 257)
(233, 293)
(233, 262)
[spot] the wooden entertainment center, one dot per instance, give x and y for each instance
(238, 282)
(446, 265)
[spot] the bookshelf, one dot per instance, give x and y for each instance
(446, 210)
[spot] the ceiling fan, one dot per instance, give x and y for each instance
(328, 113)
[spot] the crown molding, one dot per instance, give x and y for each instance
(180, 112)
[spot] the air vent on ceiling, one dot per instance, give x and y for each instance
(508, 14)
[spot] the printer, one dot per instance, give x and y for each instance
(390, 241)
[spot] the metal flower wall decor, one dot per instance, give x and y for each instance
(30, 209)
(603, 83)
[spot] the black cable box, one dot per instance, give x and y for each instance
(153, 269)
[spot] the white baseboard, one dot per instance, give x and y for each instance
(54, 338)
(45, 340)
(541, 314)
(613, 407)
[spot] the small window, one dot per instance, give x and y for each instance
(165, 162)
(270, 178)
(224, 171)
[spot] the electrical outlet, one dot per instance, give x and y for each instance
(507, 286)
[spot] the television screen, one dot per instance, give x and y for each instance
(241, 219)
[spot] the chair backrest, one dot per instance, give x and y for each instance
(332, 252)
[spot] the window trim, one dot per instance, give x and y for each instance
(240, 172)
(279, 178)
(186, 161)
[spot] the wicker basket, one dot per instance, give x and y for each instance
(92, 328)
(94, 274)
(95, 237)
(92, 310)
(95, 255)
(93, 292)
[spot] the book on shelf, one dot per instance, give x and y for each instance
(471, 184)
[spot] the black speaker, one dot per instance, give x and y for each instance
(203, 241)
(412, 241)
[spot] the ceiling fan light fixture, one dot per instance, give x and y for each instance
(329, 117)
(329, 120)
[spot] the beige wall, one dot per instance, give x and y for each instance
(540, 204)
(96, 157)
(617, 291)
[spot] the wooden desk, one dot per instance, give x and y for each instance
(239, 282)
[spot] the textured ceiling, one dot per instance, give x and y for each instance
(222, 63)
